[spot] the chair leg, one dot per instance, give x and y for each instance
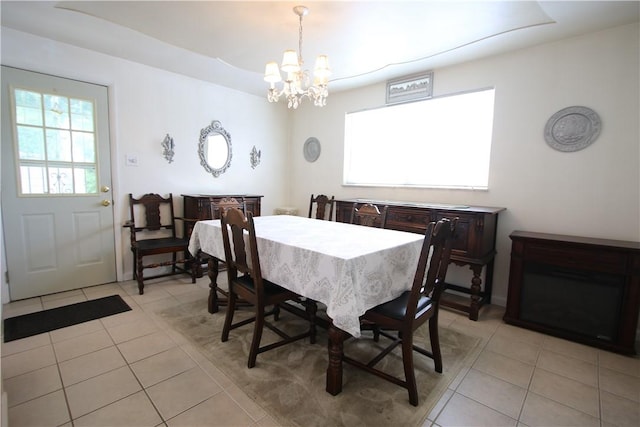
(213, 299)
(257, 336)
(194, 270)
(231, 308)
(311, 308)
(213, 268)
(135, 263)
(435, 343)
(139, 275)
(409, 374)
(174, 258)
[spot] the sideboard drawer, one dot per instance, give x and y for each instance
(408, 219)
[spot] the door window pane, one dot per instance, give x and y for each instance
(81, 115)
(30, 143)
(84, 148)
(86, 180)
(56, 144)
(28, 107)
(56, 112)
(60, 180)
(33, 179)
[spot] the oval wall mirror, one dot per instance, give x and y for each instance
(214, 148)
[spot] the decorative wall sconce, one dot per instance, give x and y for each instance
(167, 148)
(255, 157)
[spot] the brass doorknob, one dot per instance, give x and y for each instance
(105, 189)
(106, 202)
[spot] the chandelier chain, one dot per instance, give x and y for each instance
(300, 43)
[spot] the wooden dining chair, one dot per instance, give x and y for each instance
(209, 208)
(152, 227)
(224, 204)
(413, 308)
(322, 203)
(246, 282)
(216, 207)
(369, 215)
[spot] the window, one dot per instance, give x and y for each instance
(441, 142)
(56, 142)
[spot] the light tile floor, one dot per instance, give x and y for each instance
(131, 369)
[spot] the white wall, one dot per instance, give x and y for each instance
(542, 189)
(146, 104)
(593, 192)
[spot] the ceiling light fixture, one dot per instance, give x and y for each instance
(297, 83)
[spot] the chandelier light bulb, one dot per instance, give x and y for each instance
(322, 66)
(290, 61)
(272, 73)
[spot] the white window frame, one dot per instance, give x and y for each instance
(448, 144)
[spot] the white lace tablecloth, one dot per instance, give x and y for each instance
(349, 268)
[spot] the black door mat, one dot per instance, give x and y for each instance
(48, 320)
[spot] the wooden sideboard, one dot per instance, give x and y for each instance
(578, 288)
(474, 243)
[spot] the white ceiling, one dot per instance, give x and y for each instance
(228, 42)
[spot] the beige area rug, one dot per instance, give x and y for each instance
(289, 382)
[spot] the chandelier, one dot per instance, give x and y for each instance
(297, 83)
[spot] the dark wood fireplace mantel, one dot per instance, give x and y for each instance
(582, 289)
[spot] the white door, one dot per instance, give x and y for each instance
(56, 184)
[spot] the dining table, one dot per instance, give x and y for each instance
(348, 268)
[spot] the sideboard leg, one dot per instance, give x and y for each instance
(476, 287)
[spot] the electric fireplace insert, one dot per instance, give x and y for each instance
(583, 289)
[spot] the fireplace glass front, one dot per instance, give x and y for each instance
(580, 302)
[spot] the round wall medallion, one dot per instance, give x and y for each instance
(572, 129)
(311, 149)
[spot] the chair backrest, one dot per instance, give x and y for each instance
(238, 257)
(369, 215)
(226, 203)
(322, 202)
(152, 212)
(433, 263)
